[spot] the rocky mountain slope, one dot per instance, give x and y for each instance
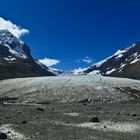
(124, 63)
(16, 59)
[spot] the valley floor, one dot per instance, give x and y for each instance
(71, 121)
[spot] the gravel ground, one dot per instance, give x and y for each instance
(71, 121)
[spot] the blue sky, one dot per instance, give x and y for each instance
(74, 30)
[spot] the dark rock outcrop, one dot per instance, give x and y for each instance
(95, 120)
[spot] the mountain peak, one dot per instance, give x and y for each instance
(124, 63)
(16, 47)
(16, 59)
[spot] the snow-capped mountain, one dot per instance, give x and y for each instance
(56, 71)
(124, 63)
(79, 71)
(16, 59)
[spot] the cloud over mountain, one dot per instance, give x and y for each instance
(13, 28)
(87, 60)
(49, 62)
(79, 70)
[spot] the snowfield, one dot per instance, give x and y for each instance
(87, 88)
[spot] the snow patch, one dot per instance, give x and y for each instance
(123, 65)
(134, 61)
(111, 126)
(119, 52)
(135, 54)
(72, 114)
(10, 59)
(18, 54)
(119, 56)
(109, 72)
(100, 63)
(14, 135)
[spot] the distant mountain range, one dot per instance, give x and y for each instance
(124, 63)
(16, 59)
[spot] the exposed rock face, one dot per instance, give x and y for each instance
(16, 59)
(124, 63)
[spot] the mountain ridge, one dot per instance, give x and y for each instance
(16, 61)
(124, 63)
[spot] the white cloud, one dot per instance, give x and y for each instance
(87, 60)
(13, 28)
(49, 62)
(79, 70)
